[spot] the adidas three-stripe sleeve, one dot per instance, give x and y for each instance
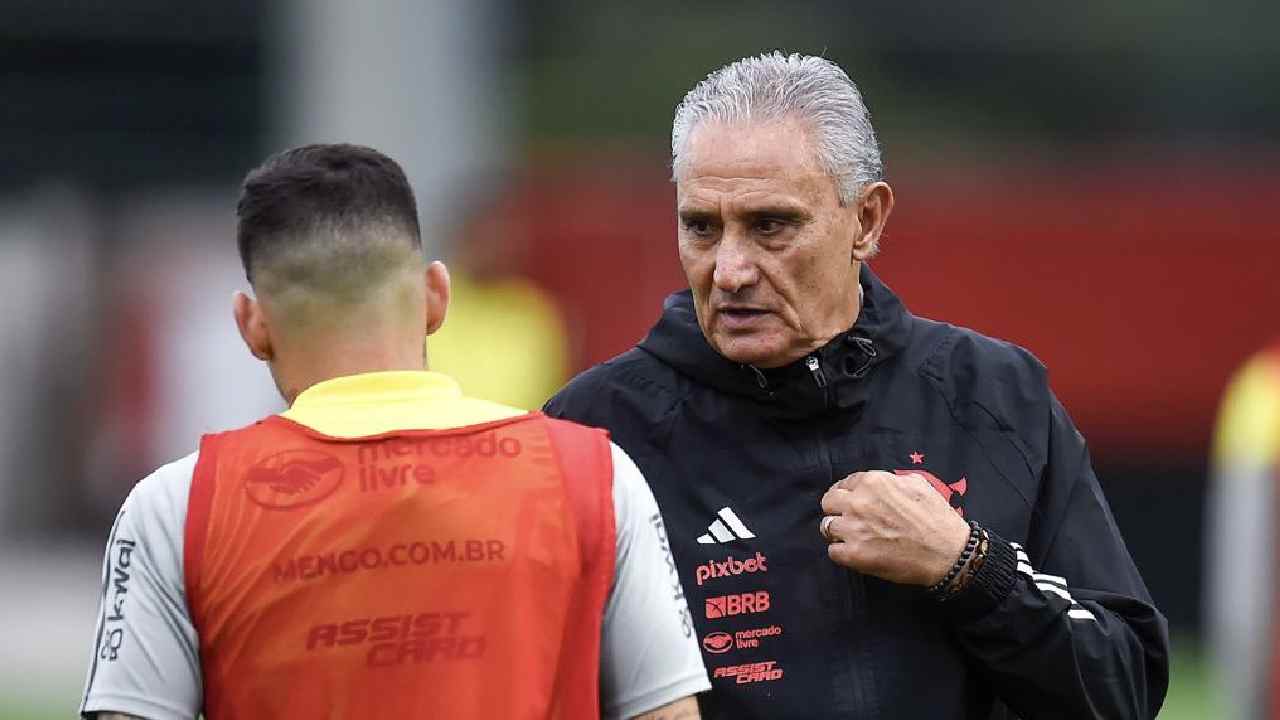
(1070, 632)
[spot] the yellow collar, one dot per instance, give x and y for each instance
(380, 402)
(377, 387)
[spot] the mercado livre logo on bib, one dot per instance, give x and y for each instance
(293, 478)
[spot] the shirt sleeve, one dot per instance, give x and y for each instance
(145, 655)
(649, 653)
(1065, 627)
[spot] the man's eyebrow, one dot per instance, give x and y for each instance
(696, 213)
(781, 211)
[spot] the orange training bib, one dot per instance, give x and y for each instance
(446, 574)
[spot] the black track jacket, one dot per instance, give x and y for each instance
(1058, 623)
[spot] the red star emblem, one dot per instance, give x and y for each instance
(917, 458)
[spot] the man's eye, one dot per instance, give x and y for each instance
(698, 227)
(771, 226)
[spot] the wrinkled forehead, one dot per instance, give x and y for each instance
(760, 158)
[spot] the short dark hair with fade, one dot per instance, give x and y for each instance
(287, 198)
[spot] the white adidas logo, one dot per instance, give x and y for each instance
(726, 528)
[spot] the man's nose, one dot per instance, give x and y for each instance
(735, 265)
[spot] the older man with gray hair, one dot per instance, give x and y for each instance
(875, 515)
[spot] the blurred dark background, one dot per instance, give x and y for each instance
(1092, 180)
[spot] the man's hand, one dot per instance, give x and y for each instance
(895, 527)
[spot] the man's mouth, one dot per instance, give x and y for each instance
(741, 316)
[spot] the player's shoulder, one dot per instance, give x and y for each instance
(177, 473)
(163, 493)
(630, 488)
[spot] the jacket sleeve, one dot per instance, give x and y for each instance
(1064, 627)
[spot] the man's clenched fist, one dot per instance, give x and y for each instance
(895, 527)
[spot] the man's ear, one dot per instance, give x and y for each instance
(252, 323)
(438, 294)
(873, 212)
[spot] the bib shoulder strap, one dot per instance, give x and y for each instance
(587, 464)
(199, 506)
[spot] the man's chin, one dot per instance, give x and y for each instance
(750, 351)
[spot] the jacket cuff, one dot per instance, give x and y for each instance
(990, 585)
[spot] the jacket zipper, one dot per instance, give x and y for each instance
(851, 593)
(812, 363)
(864, 693)
(760, 378)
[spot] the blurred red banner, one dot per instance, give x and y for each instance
(1141, 286)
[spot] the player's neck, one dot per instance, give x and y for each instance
(345, 358)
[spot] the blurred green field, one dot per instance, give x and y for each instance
(1189, 694)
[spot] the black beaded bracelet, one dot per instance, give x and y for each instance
(972, 569)
(939, 588)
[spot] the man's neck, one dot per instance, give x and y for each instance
(343, 360)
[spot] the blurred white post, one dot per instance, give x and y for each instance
(46, 290)
(416, 79)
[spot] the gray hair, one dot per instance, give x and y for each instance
(773, 86)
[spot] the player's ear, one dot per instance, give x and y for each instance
(873, 208)
(252, 323)
(438, 294)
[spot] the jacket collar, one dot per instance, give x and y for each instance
(828, 379)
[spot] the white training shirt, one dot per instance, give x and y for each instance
(146, 660)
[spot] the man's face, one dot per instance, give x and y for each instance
(771, 256)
